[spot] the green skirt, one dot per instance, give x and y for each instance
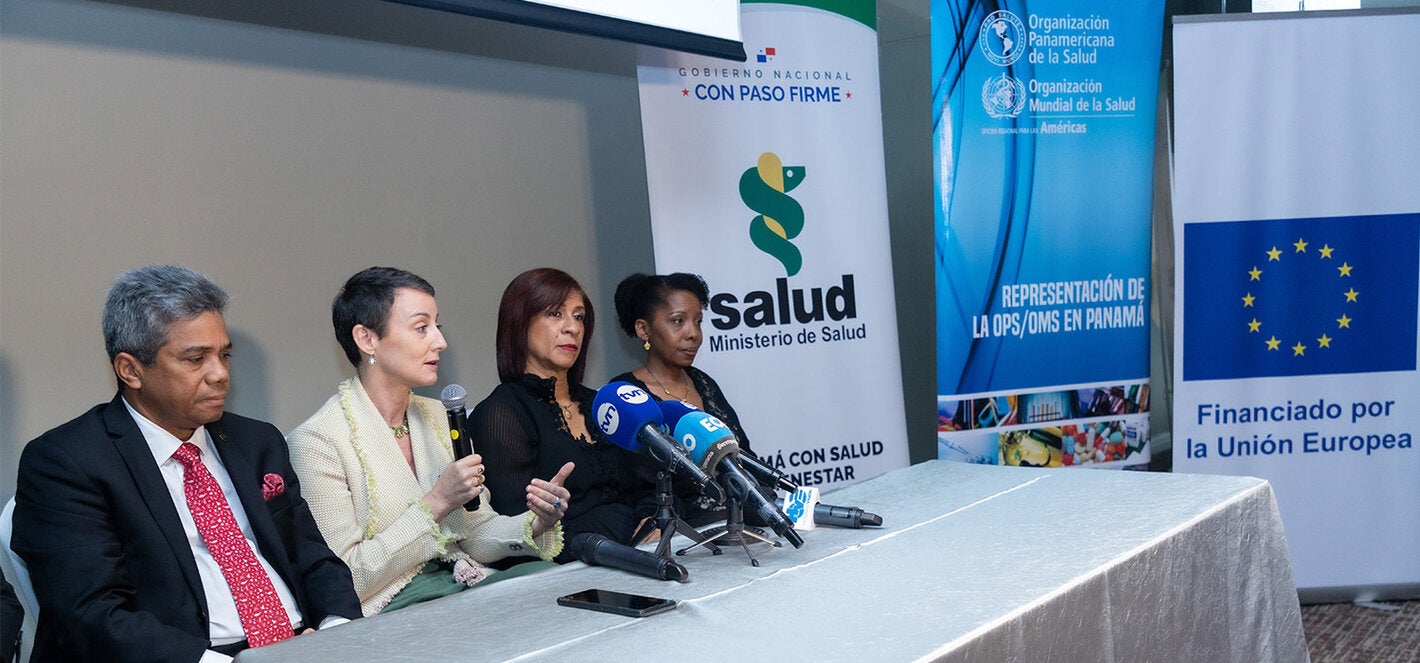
(436, 579)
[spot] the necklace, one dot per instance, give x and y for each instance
(666, 391)
(566, 410)
(402, 429)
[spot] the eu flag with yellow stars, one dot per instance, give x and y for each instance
(1289, 297)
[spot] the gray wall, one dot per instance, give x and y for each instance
(279, 147)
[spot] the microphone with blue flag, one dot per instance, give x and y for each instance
(713, 447)
(801, 504)
(672, 410)
(628, 416)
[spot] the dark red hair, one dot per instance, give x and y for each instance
(531, 293)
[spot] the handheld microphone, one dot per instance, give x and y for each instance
(597, 550)
(628, 416)
(710, 444)
(454, 396)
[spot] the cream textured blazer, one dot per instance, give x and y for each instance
(370, 508)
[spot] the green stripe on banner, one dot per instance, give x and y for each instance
(862, 11)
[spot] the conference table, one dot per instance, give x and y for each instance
(973, 563)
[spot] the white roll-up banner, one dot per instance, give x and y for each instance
(766, 178)
(1297, 227)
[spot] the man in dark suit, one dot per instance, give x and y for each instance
(156, 527)
(11, 615)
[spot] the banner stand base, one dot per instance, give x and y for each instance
(1358, 593)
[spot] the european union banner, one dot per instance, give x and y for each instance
(1300, 296)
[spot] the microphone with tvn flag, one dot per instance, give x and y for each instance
(597, 550)
(823, 514)
(714, 448)
(627, 415)
(632, 421)
(454, 396)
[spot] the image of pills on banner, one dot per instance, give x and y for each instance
(1099, 442)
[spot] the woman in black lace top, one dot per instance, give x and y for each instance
(539, 417)
(665, 313)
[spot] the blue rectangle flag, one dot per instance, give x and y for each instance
(1289, 297)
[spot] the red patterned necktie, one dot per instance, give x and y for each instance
(263, 617)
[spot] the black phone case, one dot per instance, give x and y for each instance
(572, 602)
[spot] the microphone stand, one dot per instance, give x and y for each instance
(734, 532)
(668, 522)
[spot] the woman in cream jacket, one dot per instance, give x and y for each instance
(377, 466)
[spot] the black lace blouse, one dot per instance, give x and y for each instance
(520, 432)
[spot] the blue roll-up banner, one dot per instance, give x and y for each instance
(1043, 122)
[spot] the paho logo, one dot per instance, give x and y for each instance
(765, 189)
(1002, 38)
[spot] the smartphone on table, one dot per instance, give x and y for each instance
(605, 600)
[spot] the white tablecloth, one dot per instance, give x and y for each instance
(974, 563)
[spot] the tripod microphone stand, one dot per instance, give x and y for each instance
(733, 532)
(668, 522)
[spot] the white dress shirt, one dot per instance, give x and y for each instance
(225, 623)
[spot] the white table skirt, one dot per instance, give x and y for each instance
(974, 563)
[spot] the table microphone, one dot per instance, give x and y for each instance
(714, 448)
(845, 516)
(454, 396)
(824, 514)
(597, 550)
(628, 417)
(672, 410)
(766, 474)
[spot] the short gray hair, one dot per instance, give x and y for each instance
(144, 301)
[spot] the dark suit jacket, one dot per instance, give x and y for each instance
(111, 567)
(11, 615)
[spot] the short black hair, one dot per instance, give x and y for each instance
(365, 300)
(639, 295)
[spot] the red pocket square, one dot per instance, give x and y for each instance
(271, 486)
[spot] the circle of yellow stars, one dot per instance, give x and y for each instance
(1299, 348)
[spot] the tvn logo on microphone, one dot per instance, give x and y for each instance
(608, 418)
(630, 393)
